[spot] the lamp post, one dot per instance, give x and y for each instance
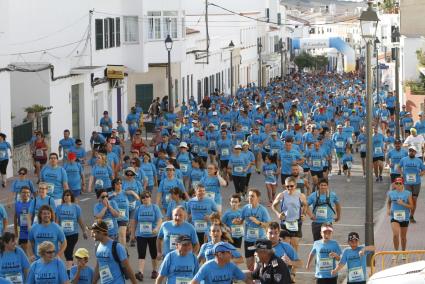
(231, 46)
(369, 23)
(282, 65)
(169, 46)
(396, 36)
(376, 46)
(260, 63)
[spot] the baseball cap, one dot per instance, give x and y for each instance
(397, 141)
(399, 179)
(72, 156)
(183, 145)
(246, 143)
(353, 236)
(211, 125)
(326, 227)
(339, 126)
(169, 166)
(238, 146)
(413, 148)
(82, 253)
(261, 244)
(183, 239)
(130, 169)
(273, 134)
(165, 133)
(222, 247)
(214, 113)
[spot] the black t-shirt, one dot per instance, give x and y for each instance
(275, 272)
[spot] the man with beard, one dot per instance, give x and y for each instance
(303, 186)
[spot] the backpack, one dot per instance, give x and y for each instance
(117, 259)
(169, 150)
(327, 202)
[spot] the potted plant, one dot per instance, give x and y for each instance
(35, 111)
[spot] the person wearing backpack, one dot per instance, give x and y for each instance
(112, 263)
(325, 207)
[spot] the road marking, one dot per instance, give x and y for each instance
(85, 199)
(342, 225)
(353, 207)
(305, 272)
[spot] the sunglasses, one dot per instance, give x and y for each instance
(50, 252)
(132, 163)
(290, 186)
(170, 170)
(67, 195)
(129, 175)
(104, 196)
(22, 174)
(398, 183)
(42, 188)
(137, 134)
(145, 197)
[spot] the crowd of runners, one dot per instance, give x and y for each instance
(165, 194)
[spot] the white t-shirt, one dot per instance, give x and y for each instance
(417, 141)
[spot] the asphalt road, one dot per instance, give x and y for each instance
(352, 197)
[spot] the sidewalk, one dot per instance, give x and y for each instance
(415, 239)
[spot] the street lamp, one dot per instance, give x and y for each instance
(396, 36)
(376, 46)
(368, 24)
(260, 63)
(169, 45)
(231, 46)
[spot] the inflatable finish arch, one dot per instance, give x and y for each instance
(335, 42)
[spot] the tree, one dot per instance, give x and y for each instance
(306, 60)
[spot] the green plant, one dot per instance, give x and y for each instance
(420, 55)
(36, 108)
(306, 60)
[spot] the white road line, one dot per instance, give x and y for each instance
(305, 272)
(85, 199)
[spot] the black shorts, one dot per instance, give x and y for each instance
(283, 178)
(71, 241)
(122, 223)
(224, 164)
(293, 234)
(362, 154)
(237, 242)
(306, 170)
(344, 167)
(403, 224)
(375, 159)
(248, 253)
(22, 241)
(319, 174)
(391, 110)
(327, 280)
(357, 133)
(211, 152)
(325, 168)
(3, 166)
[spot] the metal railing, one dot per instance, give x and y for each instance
(387, 260)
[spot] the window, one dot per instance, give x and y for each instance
(111, 32)
(191, 85)
(106, 33)
(162, 24)
(131, 29)
(118, 31)
(183, 89)
(154, 19)
(99, 33)
(176, 89)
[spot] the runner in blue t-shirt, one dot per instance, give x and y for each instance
(14, 263)
(81, 273)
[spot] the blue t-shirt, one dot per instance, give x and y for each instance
(207, 253)
(147, 218)
(13, 263)
(378, 145)
(324, 263)
(110, 220)
(395, 156)
(150, 172)
(198, 209)
(17, 185)
(37, 202)
(123, 206)
(86, 275)
(53, 272)
(22, 211)
(3, 216)
(135, 186)
(109, 269)
(40, 233)
(212, 273)
(74, 172)
(169, 232)
(228, 217)
(411, 168)
(282, 249)
(356, 264)
(164, 189)
(323, 211)
(212, 189)
(238, 163)
(68, 215)
(176, 267)
(269, 172)
(4, 154)
(399, 212)
(252, 230)
(287, 158)
(55, 178)
(102, 176)
(66, 144)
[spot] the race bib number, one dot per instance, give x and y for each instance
(274, 151)
(339, 144)
(183, 280)
(23, 219)
(355, 274)
(253, 233)
(67, 226)
(411, 177)
(134, 125)
(50, 188)
(122, 213)
(99, 183)
(145, 228)
(105, 128)
(200, 225)
(237, 231)
(322, 212)
(281, 126)
(15, 278)
(105, 274)
(184, 167)
(212, 144)
(168, 197)
(291, 226)
(378, 150)
(399, 215)
(325, 264)
(132, 205)
(317, 163)
(239, 142)
(225, 152)
(195, 149)
(173, 242)
(238, 169)
(110, 223)
(39, 153)
(362, 147)
(349, 164)
(270, 173)
(2, 154)
(245, 128)
(384, 118)
(210, 195)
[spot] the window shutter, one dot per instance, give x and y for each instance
(118, 31)
(106, 32)
(111, 32)
(99, 33)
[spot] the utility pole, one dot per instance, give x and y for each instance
(260, 63)
(282, 65)
(396, 35)
(89, 35)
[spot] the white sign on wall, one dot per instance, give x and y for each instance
(311, 43)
